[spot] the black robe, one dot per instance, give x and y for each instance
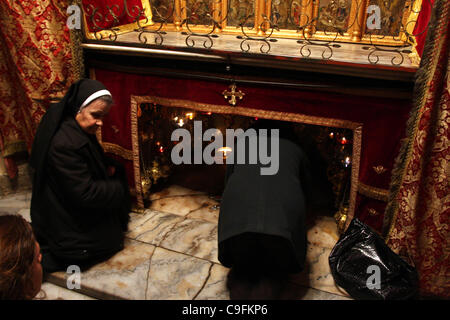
(273, 205)
(78, 213)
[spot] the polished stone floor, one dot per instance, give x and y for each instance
(171, 253)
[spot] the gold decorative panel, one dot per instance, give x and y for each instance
(333, 15)
(240, 12)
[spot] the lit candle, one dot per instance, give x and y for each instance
(190, 115)
(225, 150)
(347, 161)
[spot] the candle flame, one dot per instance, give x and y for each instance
(225, 150)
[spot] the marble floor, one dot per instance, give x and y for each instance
(171, 254)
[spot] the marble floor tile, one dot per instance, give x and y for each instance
(323, 232)
(182, 205)
(175, 276)
(25, 213)
(318, 271)
(209, 213)
(173, 191)
(296, 292)
(322, 235)
(50, 291)
(7, 204)
(123, 276)
(19, 196)
(152, 227)
(171, 253)
(193, 237)
(5, 211)
(215, 287)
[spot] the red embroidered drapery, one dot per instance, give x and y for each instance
(35, 65)
(419, 210)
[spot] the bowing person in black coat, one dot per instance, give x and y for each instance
(261, 231)
(80, 198)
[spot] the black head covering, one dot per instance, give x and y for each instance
(52, 119)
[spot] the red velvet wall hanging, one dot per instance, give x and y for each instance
(382, 122)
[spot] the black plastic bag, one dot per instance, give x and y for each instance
(368, 269)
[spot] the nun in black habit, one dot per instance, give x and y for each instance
(261, 230)
(80, 199)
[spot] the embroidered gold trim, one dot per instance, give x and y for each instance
(249, 112)
(118, 150)
(423, 77)
(76, 39)
(373, 192)
(135, 149)
(356, 158)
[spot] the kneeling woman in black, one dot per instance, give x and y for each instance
(262, 230)
(80, 199)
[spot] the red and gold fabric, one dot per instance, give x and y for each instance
(418, 213)
(35, 66)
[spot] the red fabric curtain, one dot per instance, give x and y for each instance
(383, 119)
(35, 65)
(421, 28)
(420, 205)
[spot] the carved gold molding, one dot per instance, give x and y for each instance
(76, 39)
(118, 150)
(373, 192)
(249, 112)
(135, 149)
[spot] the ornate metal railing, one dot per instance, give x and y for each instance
(381, 26)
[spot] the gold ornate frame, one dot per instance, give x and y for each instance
(355, 32)
(249, 112)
